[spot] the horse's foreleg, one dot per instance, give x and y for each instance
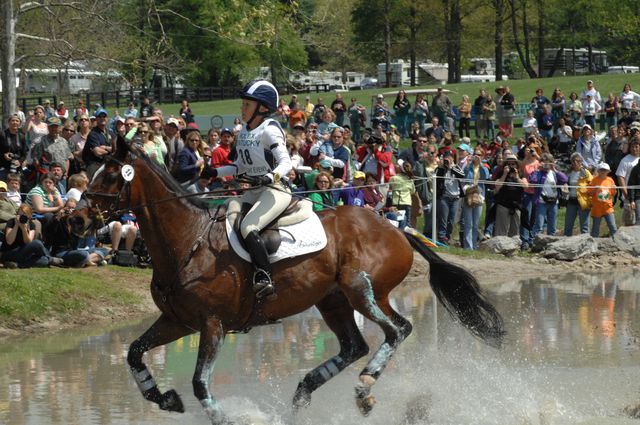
(211, 340)
(338, 315)
(361, 296)
(162, 332)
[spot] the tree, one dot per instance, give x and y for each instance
(523, 48)
(453, 30)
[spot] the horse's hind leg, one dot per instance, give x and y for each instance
(361, 296)
(162, 332)
(338, 315)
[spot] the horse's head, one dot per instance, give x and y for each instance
(84, 220)
(109, 189)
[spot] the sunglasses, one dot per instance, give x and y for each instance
(83, 119)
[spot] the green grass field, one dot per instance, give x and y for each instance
(523, 90)
(36, 294)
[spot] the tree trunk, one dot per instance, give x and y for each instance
(413, 31)
(452, 29)
(7, 59)
(387, 43)
(523, 56)
(541, 30)
(498, 37)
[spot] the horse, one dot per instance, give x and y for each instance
(201, 285)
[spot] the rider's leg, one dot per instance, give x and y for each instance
(270, 203)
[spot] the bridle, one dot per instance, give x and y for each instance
(124, 192)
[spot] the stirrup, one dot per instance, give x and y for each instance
(262, 284)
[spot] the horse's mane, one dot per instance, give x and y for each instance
(173, 185)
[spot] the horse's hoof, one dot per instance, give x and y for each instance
(302, 398)
(171, 401)
(366, 404)
(632, 411)
(364, 400)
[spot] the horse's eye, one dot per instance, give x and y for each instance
(110, 179)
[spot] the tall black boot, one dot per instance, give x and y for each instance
(262, 284)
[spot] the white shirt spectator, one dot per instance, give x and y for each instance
(625, 166)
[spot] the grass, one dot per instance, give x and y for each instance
(37, 294)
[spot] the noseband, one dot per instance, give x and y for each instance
(124, 192)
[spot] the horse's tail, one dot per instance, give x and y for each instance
(460, 294)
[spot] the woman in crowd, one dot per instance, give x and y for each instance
(489, 115)
(574, 108)
(403, 192)
(150, 145)
(509, 189)
(508, 104)
(589, 147)
(628, 97)
(322, 197)
(13, 148)
(475, 174)
(373, 198)
(37, 127)
(464, 109)
(557, 105)
(528, 166)
(579, 203)
(447, 195)
(549, 180)
(401, 106)
(189, 160)
(19, 246)
(420, 112)
(185, 111)
(213, 138)
(45, 200)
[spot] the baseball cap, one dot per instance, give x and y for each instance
(101, 111)
(3, 186)
(298, 125)
(466, 148)
(53, 121)
(359, 175)
(589, 82)
(635, 125)
(226, 130)
(120, 119)
(380, 96)
(173, 121)
(587, 126)
(604, 166)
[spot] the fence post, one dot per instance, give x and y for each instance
(434, 215)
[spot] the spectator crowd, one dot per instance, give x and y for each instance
(402, 161)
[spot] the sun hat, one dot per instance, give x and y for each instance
(53, 121)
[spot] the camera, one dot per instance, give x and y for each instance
(23, 219)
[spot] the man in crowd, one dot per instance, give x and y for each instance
(98, 144)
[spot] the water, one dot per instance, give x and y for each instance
(572, 357)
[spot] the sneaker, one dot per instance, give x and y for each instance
(56, 261)
(10, 265)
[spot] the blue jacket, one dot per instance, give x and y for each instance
(484, 176)
(351, 196)
(187, 165)
(592, 155)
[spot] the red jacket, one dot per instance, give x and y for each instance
(384, 157)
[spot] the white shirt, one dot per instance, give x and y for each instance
(261, 151)
(74, 194)
(627, 99)
(529, 124)
(549, 186)
(564, 134)
(625, 166)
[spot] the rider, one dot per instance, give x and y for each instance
(262, 157)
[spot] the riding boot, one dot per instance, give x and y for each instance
(262, 284)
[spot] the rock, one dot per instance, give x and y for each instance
(628, 239)
(541, 242)
(606, 246)
(501, 245)
(571, 248)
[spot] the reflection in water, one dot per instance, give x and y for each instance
(572, 356)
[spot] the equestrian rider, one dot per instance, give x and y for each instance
(262, 157)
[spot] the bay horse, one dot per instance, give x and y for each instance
(201, 285)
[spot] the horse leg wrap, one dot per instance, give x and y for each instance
(143, 379)
(379, 361)
(316, 378)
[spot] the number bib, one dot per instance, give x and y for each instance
(254, 148)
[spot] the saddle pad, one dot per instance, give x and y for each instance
(308, 236)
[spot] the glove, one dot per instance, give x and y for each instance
(263, 181)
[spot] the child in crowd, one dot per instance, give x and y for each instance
(13, 186)
(602, 191)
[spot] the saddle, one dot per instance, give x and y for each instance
(296, 231)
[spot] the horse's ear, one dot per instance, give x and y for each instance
(122, 148)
